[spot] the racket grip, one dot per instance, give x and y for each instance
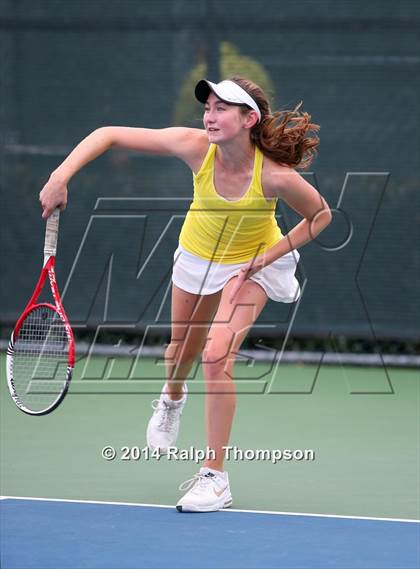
(51, 234)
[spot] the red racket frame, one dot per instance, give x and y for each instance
(47, 270)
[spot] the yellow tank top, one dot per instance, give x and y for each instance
(229, 231)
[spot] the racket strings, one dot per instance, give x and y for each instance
(40, 356)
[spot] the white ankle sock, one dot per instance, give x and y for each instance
(172, 402)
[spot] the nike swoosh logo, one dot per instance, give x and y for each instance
(220, 492)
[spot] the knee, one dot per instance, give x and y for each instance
(215, 359)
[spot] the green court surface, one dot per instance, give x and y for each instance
(366, 444)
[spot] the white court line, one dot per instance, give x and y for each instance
(233, 510)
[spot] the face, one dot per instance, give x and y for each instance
(222, 121)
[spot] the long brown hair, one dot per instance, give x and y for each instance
(282, 136)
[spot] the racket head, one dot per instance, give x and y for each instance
(40, 359)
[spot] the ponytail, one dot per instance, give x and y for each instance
(284, 136)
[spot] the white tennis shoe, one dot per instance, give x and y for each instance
(163, 427)
(208, 491)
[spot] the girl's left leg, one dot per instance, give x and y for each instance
(209, 490)
(229, 329)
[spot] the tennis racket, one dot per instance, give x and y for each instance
(40, 356)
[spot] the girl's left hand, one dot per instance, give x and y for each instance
(245, 273)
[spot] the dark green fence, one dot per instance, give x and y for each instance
(70, 67)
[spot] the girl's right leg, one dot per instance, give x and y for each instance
(191, 316)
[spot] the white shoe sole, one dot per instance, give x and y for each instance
(193, 508)
(162, 450)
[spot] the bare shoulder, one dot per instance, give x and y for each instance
(284, 182)
(186, 136)
(276, 178)
(192, 147)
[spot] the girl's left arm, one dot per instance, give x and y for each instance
(301, 196)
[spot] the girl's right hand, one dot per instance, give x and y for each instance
(53, 195)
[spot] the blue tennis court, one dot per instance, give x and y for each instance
(42, 534)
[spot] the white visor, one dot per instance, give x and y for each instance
(227, 91)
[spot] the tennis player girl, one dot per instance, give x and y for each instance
(231, 257)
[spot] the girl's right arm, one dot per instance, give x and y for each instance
(188, 144)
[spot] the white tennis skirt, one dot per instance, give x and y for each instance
(200, 276)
